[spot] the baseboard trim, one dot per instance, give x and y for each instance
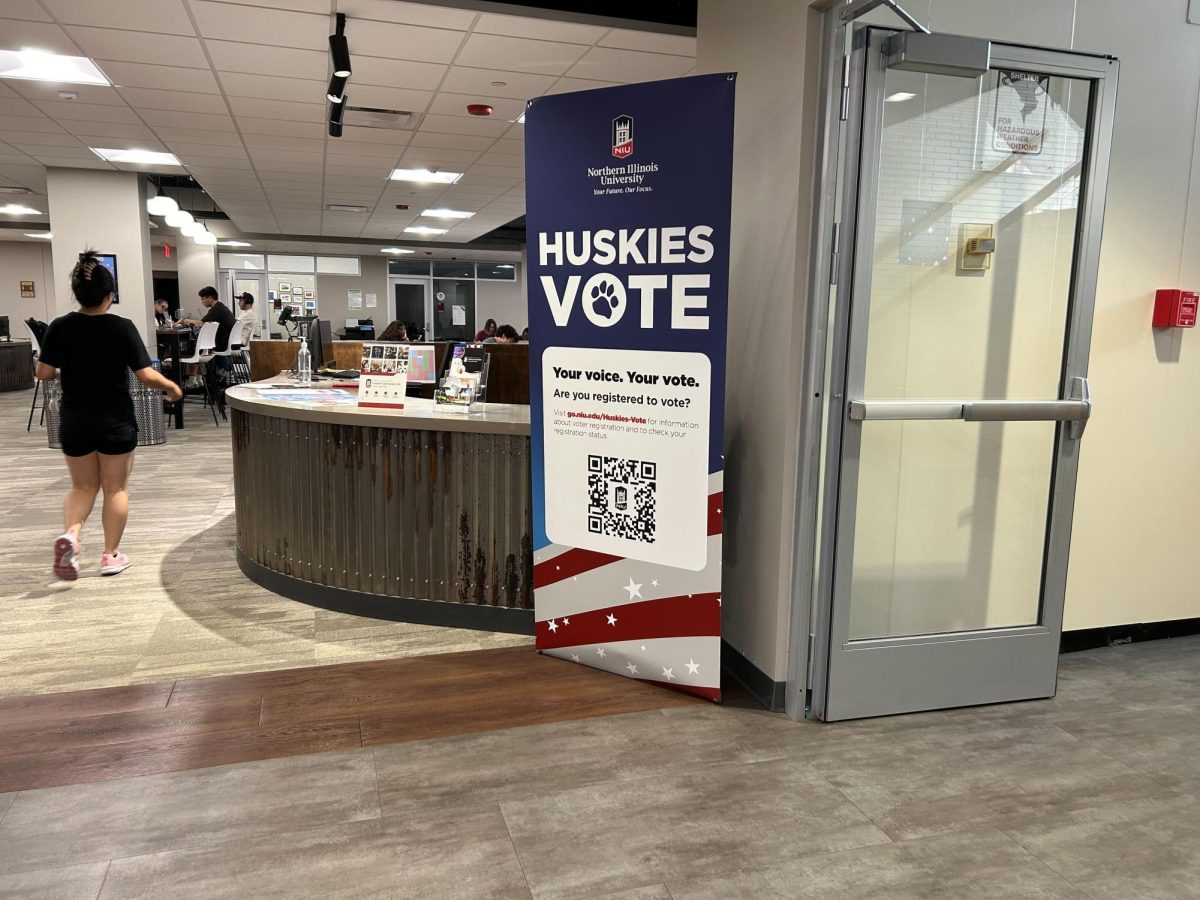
(391, 609)
(1091, 638)
(762, 687)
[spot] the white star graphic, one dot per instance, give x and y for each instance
(558, 568)
(566, 621)
(553, 626)
(600, 652)
(654, 583)
(612, 620)
(575, 658)
(693, 667)
(668, 674)
(635, 590)
(632, 668)
(643, 648)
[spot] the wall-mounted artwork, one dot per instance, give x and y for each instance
(297, 291)
(27, 292)
(310, 304)
(285, 287)
(310, 295)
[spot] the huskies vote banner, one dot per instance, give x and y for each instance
(627, 215)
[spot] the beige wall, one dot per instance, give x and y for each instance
(105, 211)
(331, 294)
(25, 261)
(503, 301)
(197, 267)
(765, 43)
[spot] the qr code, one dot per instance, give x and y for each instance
(621, 497)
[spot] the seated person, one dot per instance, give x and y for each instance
(162, 318)
(505, 334)
(217, 312)
(487, 331)
(248, 317)
(394, 332)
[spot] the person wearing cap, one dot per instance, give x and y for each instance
(248, 317)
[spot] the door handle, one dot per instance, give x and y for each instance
(1075, 411)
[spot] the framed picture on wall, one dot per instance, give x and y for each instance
(310, 304)
(285, 287)
(310, 295)
(297, 291)
(27, 291)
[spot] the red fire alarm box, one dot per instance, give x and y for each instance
(1174, 308)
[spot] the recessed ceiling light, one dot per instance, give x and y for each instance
(519, 120)
(503, 266)
(38, 65)
(345, 207)
(448, 213)
(13, 189)
(16, 209)
(234, 244)
(898, 97)
(44, 235)
(396, 251)
(137, 157)
(424, 229)
(425, 176)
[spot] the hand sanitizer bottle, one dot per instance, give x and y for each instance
(304, 365)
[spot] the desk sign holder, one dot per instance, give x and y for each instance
(383, 375)
(465, 384)
(627, 216)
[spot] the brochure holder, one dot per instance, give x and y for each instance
(465, 384)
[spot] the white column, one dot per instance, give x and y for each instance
(104, 211)
(197, 269)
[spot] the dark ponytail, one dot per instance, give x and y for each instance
(91, 281)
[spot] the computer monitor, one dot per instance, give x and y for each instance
(422, 368)
(109, 261)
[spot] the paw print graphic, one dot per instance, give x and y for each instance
(604, 301)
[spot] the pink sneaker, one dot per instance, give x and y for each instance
(66, 557)
(114, 563)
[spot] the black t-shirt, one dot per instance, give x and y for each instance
(224, 317)
(95, 354)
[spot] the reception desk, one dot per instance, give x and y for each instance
(16, 365)
(406, 515)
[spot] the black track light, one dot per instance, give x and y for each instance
(339, 49)
(336, 111)
(337, 89)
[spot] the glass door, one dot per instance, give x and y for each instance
(410, 305)
(970, 235)
(256, 287)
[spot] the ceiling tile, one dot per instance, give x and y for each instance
(147, 98)
(269, 60)
(361, 150)
(29, 10)
(16, 124)
(404, 73)
(376, 136)
(279, 127)
(407, 13)
(88, 93)
(278, 109)
(517, 85)
(630, 65)
(451, 141)
(64, 111)
(131, 46)
(541, 29)
(674, 44)
(17, 106)
(172, 78)
(161, 16)
(15, 34)
(115, 134)
(570, 85)
(270, 87)
(256, 141)
(382, 39)
(464, 125)
(68, 162)
(487, 51)
(254, 25)
(456, 105)
(199, 136)
(198, 153)
(309, 6)
(430, 157)
(168, 118)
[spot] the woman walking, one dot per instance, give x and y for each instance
(92, 351)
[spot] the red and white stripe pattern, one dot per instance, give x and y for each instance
(642, 620)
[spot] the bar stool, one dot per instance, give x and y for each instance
(37, 384)
(202, 353)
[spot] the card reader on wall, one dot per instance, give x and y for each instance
(977, 243)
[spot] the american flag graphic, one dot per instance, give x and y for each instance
(633, 618)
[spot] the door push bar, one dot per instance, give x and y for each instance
(1075, 411)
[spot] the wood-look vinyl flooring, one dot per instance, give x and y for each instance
(144, 729)
(184, 609)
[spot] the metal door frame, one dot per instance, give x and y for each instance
(394, 280)
(862, 101)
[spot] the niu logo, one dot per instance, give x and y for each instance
(622, 137)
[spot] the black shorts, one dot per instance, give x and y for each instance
(82, 435)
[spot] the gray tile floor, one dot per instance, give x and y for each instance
(1093, 794)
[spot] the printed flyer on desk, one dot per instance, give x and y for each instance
(627, 218)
